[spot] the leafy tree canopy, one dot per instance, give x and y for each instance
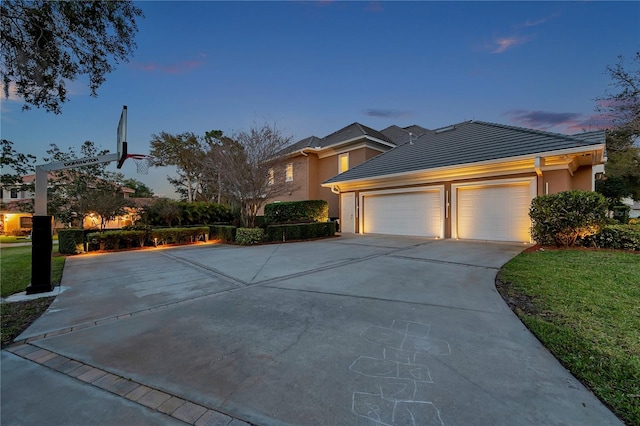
(46, 43)
(142, 190)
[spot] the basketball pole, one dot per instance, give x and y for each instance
(42, 231)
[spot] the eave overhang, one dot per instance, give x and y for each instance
(566, 159)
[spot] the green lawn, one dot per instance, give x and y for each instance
(15, 269)
(584, 306)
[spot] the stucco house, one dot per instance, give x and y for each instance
(313, 160)
(16, 210)
(472, 180)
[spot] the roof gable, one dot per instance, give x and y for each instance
(466, 143)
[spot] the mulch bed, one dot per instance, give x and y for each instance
(17, 316)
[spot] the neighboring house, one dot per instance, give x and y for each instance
(634, 207)
(15, 214)
(313, 160)
(472, 180)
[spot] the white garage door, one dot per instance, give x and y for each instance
(407, 213)
(497, 212)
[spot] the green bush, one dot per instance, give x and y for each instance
(249, 236)
(224, 233)
(113, 240)
(71, 241)
(621, 213)
(618, 237)
(563, 218)
(179, 235)
(165, 212)
(300, 231)
(296, 211)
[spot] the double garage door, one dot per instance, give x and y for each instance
(496, 211)
(418, 213)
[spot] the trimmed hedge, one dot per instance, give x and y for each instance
(224, 233)
(565, 217)
(300, 231)
(296, 211)
(621, 213)
(180, 235)
(114, 240)
(249, 236)
(618, 237)
(71, 241)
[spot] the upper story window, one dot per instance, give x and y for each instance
(272, 178)
(14, 193)
(289, 173)
(343, 162)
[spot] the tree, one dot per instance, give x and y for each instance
(14, 165)
(107, 202)
(47, 43)
(142, 190)
(184, 151)
(623, 109)
(248, 164)
(71, 191)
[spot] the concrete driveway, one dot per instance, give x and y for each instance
(358, 330)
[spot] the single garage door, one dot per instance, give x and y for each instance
(496, 212)
(407, 213)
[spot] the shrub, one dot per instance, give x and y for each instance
(22, 232)
(113, 240)
(301, 231)
(618, 237)
(296, 211)
(165, 212)
(248, 236)
(564, 217)
(71, 241)
(634, 221)
(179, 235)
(224, 233)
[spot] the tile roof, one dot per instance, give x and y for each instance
(353, 131)
(400, 135)
(350, 132)
(465, 143)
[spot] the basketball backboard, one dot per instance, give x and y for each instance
(122, 137)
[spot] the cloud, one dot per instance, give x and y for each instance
(566, 122)
(177, 68)
(386, 113)
(503, 44)
(540, 21)
(13, 92)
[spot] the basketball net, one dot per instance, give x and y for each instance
(142, 163)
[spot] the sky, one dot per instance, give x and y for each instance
(313, 67)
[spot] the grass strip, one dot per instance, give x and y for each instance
(584, 306)
(15, 269)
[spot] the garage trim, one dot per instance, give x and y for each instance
(532, 182)
(433, 188)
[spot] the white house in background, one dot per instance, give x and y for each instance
(635, 207)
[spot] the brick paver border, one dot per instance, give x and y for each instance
(155, 399)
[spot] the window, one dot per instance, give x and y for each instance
(343, 162)
(26, 222)
(14, 193)
(272, 179)
(289, 173)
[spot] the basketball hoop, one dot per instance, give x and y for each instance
(142, 163)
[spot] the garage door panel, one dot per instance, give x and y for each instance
(413, 213)
(495, 212)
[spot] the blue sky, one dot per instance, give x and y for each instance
(315, 67)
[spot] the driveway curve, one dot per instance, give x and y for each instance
(355, 330)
